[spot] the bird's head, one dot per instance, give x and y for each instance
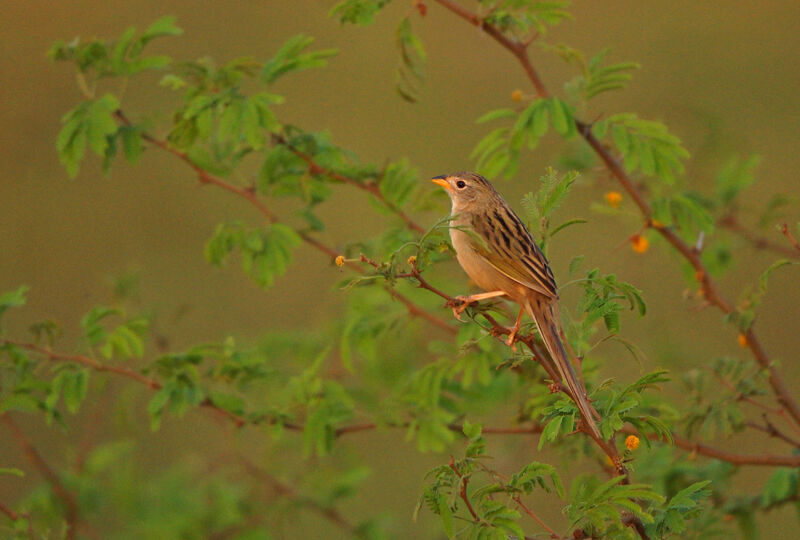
(467, 190)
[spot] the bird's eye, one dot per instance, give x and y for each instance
(461, 184)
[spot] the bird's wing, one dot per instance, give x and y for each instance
(505, 243)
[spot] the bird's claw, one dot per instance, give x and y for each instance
(458, 305)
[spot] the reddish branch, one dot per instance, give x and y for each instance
(540, 356)
(789, 236)
(536, 518)
(692, 256)
(370, 187)
(249, 194)
(533, 429)
(89, 362)
(16, 516)
(731, 223)
(463, 489)
(67, 499)
(285, 490)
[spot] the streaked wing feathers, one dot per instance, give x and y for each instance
(510, 249)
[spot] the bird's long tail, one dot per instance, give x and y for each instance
(545, 313)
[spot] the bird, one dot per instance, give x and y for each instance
(496, 250)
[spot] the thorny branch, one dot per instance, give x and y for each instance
(708, 285)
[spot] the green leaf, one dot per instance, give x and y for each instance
(413, 57)
(399, 183)
(12, 472)
(561, 116)
(165, 26)
(290, 57)
(780, 486)
(550, 431)
(12, 299)
(360, 12)
(495, 115)
(645, 145)
(447, 517)
(155, 407)
(132, 145)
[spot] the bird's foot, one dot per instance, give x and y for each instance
(511, 341)
(459, 304)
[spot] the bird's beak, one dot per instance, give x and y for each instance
(441, 180)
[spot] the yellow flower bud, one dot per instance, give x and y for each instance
(412, 261)
(339, 261)
(742, 339)
(517, 95)
(632, 442)
(639, 243)
(613, 198)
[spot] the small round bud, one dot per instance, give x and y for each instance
(639, 243)
(613, 198)
(339, 261)
(517, 95)
(742, 339)
(412, 261)
(632, 442)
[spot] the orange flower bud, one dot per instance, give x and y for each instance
(639, 243)
(412, 261)
(339, 261)
(517, 95)
(742, 339)
(613, 198)
(632, 442)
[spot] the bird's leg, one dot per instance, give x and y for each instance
(512, 337)
(460, 303)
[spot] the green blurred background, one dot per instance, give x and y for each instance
(724, 76)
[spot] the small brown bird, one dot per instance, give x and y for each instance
(496, 250)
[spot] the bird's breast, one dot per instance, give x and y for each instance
(486, 276)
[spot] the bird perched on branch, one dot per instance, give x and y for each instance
(496, 250)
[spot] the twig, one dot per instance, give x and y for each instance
(71, 514)
(87, 361)
(788, 235)
(731, 223)
(372, 188)
(536, 518)
(772, 431)
(250, 196)
(739, 396)
(768, 460)
(16, 516)
(285, 490)
(708, 286)
(544, 360)
(463, 490)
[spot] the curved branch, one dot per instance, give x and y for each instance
(708, 286)
(204, 177)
